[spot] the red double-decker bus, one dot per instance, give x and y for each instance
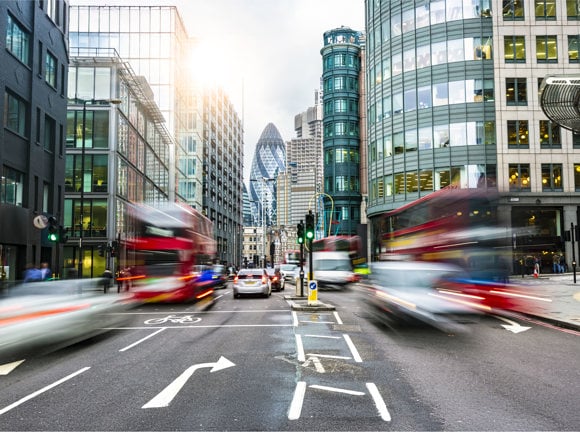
(458, 226)
(168, 255)
(341, 243)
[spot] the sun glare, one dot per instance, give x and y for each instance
(208, 64)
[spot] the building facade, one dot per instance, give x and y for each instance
(33, 81)
(342, 65)
(154, 40)
(453, 99)
(117, 152)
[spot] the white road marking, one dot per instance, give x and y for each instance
(141, 340)
(316, 362)
(329, 356)
(6, 368)
(164, 398)
(300, 348)
(321, 336)
(198, 326)
(353, 350)
(337, 390)
(338, 320)
(297, 401)
(317, 322)
(512, 326)
(295, 318)
(379, 402)
(42, 390)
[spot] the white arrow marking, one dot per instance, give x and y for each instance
(317, 364)
(164, 398)
(512, 326)
(5, 369)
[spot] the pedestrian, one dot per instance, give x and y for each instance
(32, 273)
(563, 264)
(45, 272)
(556, 263)
(536, 267)
(108, 278)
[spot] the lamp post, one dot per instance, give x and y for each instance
(82, 200)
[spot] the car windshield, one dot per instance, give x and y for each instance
(287, 267)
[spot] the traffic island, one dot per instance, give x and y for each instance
(301, 304)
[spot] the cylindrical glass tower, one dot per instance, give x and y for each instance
(431, 105)
(341, 59)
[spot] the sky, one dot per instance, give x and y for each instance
(265, 54)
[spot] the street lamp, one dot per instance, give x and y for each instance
(83, 146)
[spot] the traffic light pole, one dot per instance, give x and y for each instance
(301, 270)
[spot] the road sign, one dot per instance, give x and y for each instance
(312, 292)
(40, 221)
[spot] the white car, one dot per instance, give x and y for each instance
(287, 271)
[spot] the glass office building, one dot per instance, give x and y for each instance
(453, 99)
(341, 60)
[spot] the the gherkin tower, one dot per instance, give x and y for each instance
(269, 160)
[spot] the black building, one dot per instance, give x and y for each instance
(33, 80)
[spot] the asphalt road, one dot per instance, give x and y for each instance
(254, 364)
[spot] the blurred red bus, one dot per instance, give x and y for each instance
(342, 243)
(458, 226)
(168, 258)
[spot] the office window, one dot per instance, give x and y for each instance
(513, 10)
(49, 133)
(577, 177)
(545, 9)
(11, 186)
(552, 178)
(576, 140)
(15, 113)
(18, 41)
(573, 9)
(519, 177)
(516, 91)
(518, 134)
(50, 69)
(546, 49)
(514, 49)
(549, 135)
(573, 43)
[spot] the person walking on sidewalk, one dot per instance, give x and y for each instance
(563, 264)
(556, 263)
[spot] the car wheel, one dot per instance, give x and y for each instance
(236, 296)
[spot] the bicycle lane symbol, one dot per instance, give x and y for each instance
(173, 319)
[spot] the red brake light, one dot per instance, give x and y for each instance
(264, 279)
(236, 279)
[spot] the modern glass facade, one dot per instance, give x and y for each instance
(341, 60)
(125, 148)
(269, 161)
(453, 99)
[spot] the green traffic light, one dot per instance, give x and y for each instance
(300, 240)
(310, 235)
(52, 237)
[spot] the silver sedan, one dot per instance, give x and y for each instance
(252, 281)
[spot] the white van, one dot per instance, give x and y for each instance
(332, 268)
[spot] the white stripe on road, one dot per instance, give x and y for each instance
(295, 318)
(42, 390)
(353, 350)
(338, 320)
(328, 356)
(379, 402)
(297, 401)
(141, 340)
(322, 336)
(337, 390)
(300, 348)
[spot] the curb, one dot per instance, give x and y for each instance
(305, 307)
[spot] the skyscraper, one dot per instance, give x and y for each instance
(341, 60)
(269, 160)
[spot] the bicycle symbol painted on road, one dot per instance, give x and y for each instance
(186, 319)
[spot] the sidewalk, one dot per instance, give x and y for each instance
(564, 309)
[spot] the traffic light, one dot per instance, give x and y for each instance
(52, 229)
(62, 234)
(310, 225)
(300, 233)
